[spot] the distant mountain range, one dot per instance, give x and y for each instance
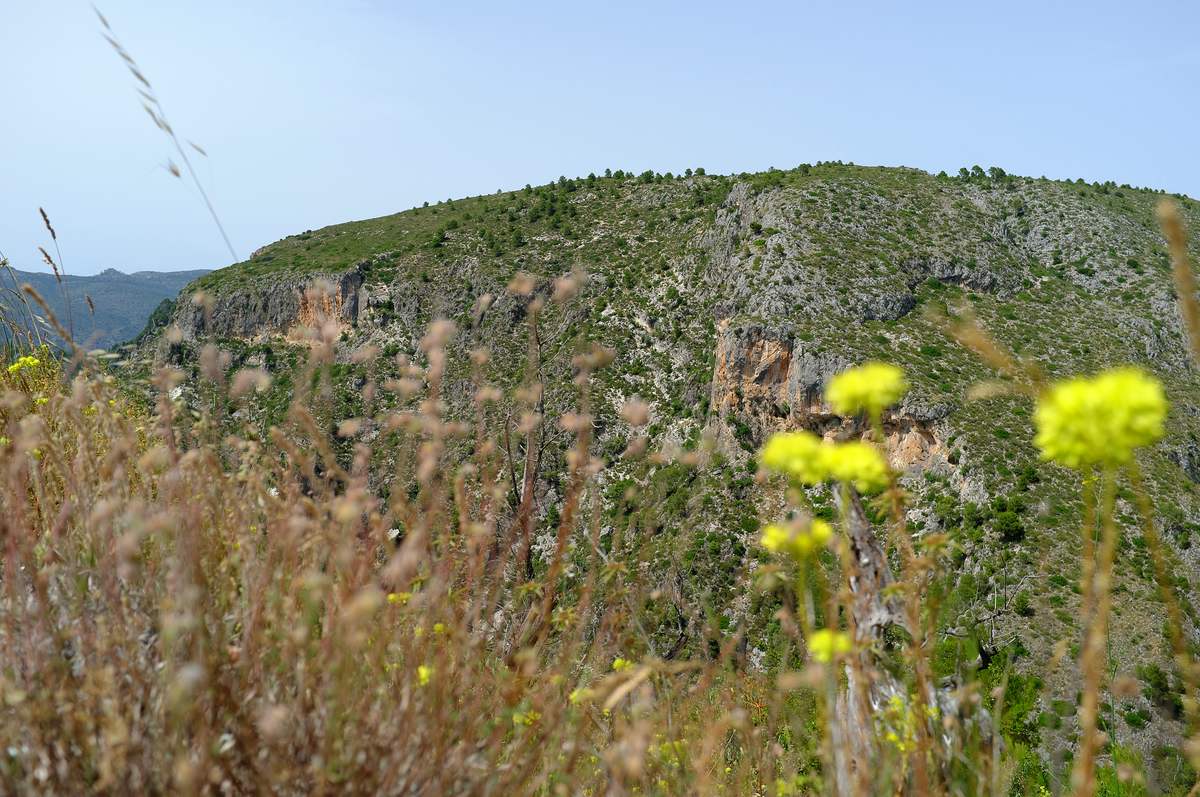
(120, 306)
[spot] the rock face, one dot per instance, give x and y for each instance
(765, 371)
(1187, 457)
(769, 380)
(274, 306)
(771, 255)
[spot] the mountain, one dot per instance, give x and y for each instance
(729, 302)
(121, 304)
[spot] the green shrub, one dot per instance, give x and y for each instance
(1008, 525)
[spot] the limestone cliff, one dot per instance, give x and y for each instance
(271, 306)
(767, 378)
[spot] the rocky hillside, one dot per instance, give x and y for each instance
(730, 300)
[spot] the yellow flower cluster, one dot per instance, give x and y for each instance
(22, 363)
(868, 389)
(620, 664)
(901, 721)
(858, 463)
(672, 752)
(1100, 420)
(825, 644)
(525, 718)
(808, 459)
(797, 785)
(801, 455)
(424, 674)
(796, 542)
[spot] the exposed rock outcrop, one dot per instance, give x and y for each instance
(275, 305)
(766, 378)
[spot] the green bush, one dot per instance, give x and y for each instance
(1008, 525)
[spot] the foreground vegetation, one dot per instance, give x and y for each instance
(194, 607)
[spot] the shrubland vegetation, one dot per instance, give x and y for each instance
(193, 602)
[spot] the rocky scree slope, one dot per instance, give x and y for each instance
(730, 300)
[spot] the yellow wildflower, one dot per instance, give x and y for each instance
(868, 388)
(439, 628)
(795, 542)
(525, 717)
(1100, 420)
(801, 455)
(620, 664)
(858, 463)
(673, 751)
(824, 644)
(398, 597)
(578, 696)
(22, 363)
(902, 722)
(424, 673)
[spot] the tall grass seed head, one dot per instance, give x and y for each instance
(869, 388)
(1100, 420)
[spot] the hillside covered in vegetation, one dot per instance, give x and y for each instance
(727, 303)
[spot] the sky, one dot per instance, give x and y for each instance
(314, 112)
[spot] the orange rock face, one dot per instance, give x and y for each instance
(764, 378)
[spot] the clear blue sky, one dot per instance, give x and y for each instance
(315, 111)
